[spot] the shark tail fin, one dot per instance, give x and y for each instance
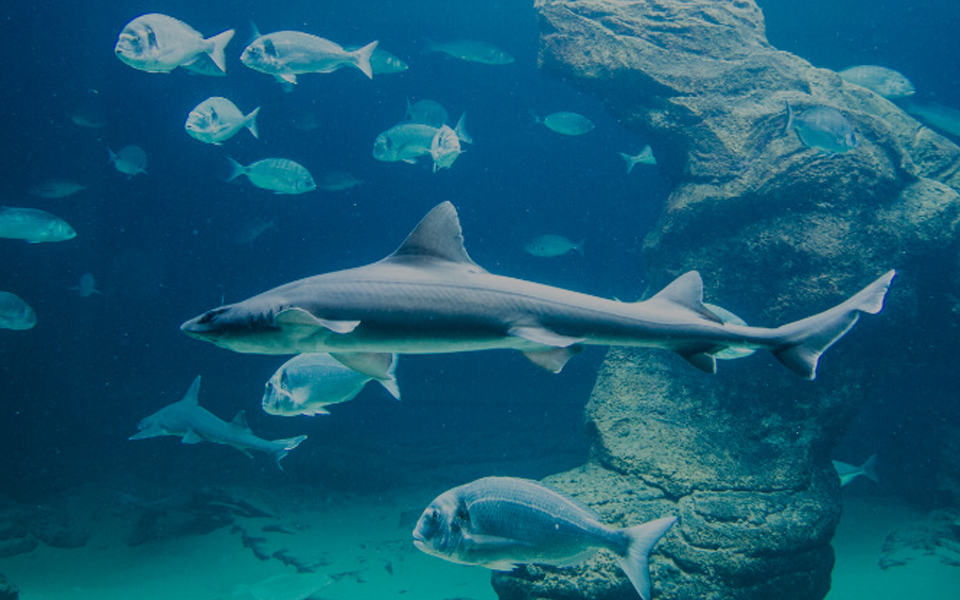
(284, 446)
(362, 58)
(641, 540)
(805, 340)
(218, 45)
(869, 469)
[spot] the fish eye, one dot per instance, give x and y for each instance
(210, 316)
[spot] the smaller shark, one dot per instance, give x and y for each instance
(195, 424)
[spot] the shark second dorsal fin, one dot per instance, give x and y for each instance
(240, 420)
(687, 291)
(192, 397)
(438, 237)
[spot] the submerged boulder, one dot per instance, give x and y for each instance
(784, 231)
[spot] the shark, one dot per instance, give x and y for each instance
(429, 296)
(194, 424)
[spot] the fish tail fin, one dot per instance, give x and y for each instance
(629, 160)
(805, 340)
(536, 117)
(111, 156)
(869, 469)
(789, 125)
(362, 57)
(218, 44)
(285, 446)
(390, 383)
(236, 169)
(640, 541)
(250, 121)
(461, 130)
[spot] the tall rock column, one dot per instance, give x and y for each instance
(778, 231)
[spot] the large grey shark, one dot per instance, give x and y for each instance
(430, 297)
(195, 424)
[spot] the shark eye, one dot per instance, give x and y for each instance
(211, 315)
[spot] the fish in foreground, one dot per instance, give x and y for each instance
(33, 226)
(159, 44)
(566, 123)
(286, 54)
(848, 472)
(430, 297)
(192, 423)
(880, 80)
(308, 383)
(822, 128)
(56, 188)
(217, 119)
(549, 245)
(130, 160)
(15, 313)
(280, 175)
(470, 51)
(644, 157)
(503, 522)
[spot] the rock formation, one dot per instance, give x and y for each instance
(778, 231)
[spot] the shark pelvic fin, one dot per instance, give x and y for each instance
(191, 437)
(553, 359)
(299, 316)
(701, 360)
(687, 291)
(437, 237)
(541, 335)
(149, 432)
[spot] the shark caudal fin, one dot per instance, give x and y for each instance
(642, 539)
(869, 469)
(805, 340)
(284, 446)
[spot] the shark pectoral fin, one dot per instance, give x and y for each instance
(191, 437)
(687, 291)
(244, 450)
(552, 359)
(702, 360)
(378, 365)
(240, 420)
(302, 317)
(540, 335)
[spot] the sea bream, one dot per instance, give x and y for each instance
(880, 80)
(217, 119)
(822, 128)
(159, 44)
(430, 297)
(408, 141)
(286, 54)
(280, 175)
(503, 522)
(33, 225)
(15, 313)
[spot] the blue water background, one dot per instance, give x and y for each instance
(161, 245)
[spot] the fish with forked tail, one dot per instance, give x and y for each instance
(430, 297)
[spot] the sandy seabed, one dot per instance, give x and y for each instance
(362, 544)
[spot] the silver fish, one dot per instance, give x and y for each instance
(33, 226)
(427, 112)
(471, 51)
(308, 383)
(549, 245)
(848, 472)
(566, 123)
(15, 313)
(280, 175)
(408, 141)
(383, 62)
(159, 44)
(430, 297)
(644, 157)
(56, 188)
(130, 160)
(503, 522)
(822, 128)
(217, 119)
(286, 54)
(880, 80)
(192, 423)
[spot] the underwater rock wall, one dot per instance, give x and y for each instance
(782, 230)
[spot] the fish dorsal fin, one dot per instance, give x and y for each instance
(192, 397)
(437, 237)
(240, 420)
(687, 291)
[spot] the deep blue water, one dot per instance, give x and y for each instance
(161, 245)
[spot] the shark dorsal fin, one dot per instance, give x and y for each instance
(192, 397)
(241, 420)
(687, 291)
(438, 237)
